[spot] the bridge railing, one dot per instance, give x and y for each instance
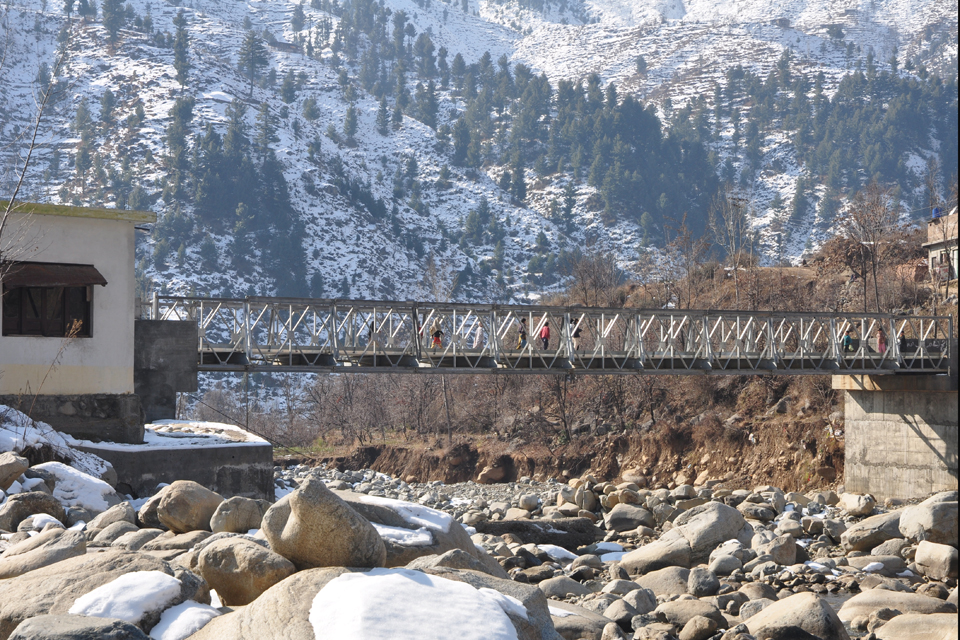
(357, 335)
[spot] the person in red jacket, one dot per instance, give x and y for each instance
(545, 336)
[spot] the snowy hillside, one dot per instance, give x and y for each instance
(338, 181)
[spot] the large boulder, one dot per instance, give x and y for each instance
(135, 540)
(707, 526)
(671, 550)
(454, 559)
(122, 512)
(626, 517)
(187, 506)
(856, 504)
(569, 533)
(560, 587)
(937, 561)
(872, 531)
(411, 531)
(916, 626)
(803, 612)
(46, 548)
(669, 581)
(312, 527)
(20, 506)
(70, 627)
(283, 611)
(12, 467)
(238, 515)
(576, 623)
(54, 589)
(862, 604)
(169, 540)
(240, 569)
(112, 532)
(934, 519)
(782, 549)
(680, 612)
(695, 534)
(147, 516)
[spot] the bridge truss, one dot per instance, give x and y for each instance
(360, 336)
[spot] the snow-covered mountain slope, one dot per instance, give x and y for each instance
(687, 47)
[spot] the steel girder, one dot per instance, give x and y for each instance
(298, 334)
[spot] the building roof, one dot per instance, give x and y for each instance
(120, 215)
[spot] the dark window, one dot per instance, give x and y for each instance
(47, 311)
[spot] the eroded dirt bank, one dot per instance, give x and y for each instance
(795, 455)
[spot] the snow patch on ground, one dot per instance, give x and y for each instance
(399, 604)
(129, 597)
(78, 489)
(414, 514)
(183, 620)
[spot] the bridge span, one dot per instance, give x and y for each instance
(365, 336)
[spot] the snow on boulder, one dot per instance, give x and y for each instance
(399, 604)
(414, 514)
(78, 489)
(130, 597)
(411, 530)
(183, 620)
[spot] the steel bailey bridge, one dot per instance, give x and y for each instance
(363, 336)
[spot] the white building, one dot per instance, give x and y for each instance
(68, 269)
(941, 246)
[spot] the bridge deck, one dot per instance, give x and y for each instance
(285, 334)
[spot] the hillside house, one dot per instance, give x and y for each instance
(67, 343)
(941, 246)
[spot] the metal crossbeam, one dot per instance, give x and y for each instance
(363, 336)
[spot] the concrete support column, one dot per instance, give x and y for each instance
(901, 434)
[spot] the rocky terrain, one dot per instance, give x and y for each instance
(360, 554)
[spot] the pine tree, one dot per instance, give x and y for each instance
(383, 117)
(519, 181)
(107, 103)
(288, 89)
(458, 70)
(310, 110)
(461, 142)
(297, 19)
(350, 124)
(266, 130)
(252, 58)
(181, 50)
(68, 8)
(113, 17)
(82, 119)
(569, 202)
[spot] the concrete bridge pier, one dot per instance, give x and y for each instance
(901, 434)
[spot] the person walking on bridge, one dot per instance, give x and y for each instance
(436, 334)
(881, 341)
(545, 336)
(847, 344)
(522, 334)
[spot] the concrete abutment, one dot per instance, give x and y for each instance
(901, 434)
